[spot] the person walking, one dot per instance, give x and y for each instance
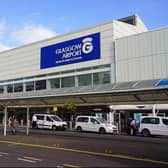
(133, 127)
(12, 124)
(34, 121)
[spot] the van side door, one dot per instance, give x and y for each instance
(94, 125)
(40, 121)
(48, 122)
(164, 126)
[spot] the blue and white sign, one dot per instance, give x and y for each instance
(73, 51)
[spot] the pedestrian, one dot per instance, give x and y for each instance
(133, 126)
(12, 124)
(34, 121)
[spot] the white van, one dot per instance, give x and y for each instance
(94, 124)
(49, 121)
(153, 125)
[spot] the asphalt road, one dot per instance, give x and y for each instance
(44, 148)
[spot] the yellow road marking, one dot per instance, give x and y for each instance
(72, 166)
(3, 153)
(32, 158)
(26, 160)
(88, 152)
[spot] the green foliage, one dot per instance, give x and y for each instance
(69, 107)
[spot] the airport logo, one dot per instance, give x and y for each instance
(73, 51)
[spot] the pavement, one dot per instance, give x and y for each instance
(30, 139)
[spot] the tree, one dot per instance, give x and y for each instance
(69, 107)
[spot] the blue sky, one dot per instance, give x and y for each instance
(26, 21)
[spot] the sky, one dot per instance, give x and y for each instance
(26, 21)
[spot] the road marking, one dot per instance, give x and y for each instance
(32, 158)
(3, 153)
(72, 166)
(88, 152)
(26, 160)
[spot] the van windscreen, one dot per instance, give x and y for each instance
(165, 121)
(56, 118)
(102, 120)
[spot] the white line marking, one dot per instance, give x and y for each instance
(26, 160)
(1, 155)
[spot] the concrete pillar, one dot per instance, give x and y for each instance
(28, 122)
(5, 120)
(48, 110)
(111, 117)
(154, 110)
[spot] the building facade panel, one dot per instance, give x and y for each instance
(25, 60)
(149, 49)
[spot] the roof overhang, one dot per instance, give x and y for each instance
(153, 95)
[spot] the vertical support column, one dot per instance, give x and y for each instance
(5, 120)
(48, 110)
(111, 117)
(154, 110)
(27, 127)
(119, 122)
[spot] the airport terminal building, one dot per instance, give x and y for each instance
(119, 62)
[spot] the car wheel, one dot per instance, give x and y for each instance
(145, 133)
(102, 131)
(79, 129)
(54, 128)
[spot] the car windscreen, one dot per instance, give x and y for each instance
(165, 121)
(102, 120)
(56, 118)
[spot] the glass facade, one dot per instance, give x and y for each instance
(84, 80)
(29, 86)
(74, 78)
(10, 88)
(1, 89)
(68, 82)
(40, 85)
(101, 78)
(54, 83)
(18, 87)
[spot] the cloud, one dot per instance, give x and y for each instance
(4, 47)
(2, 26)
(32, 33)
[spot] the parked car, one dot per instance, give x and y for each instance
(153, 125)
(49, 121)
(94, 124)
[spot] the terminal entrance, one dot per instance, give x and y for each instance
(116, 114)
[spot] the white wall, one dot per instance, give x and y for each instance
(25, 61)
(143, 56)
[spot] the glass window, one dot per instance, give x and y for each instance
(83, 69)
(68, 82)
(55, 83)
(150, 120)
(101, 78)
(10, 88)
(1, 89)
(56, 118)
(102, 66)
(49, 119)
(40, 85)
(40, 117)
(84, 80)
(69, 71)
(94, 121)
(29, 86)
(165, 121)
(18, 87)
(83, 119)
